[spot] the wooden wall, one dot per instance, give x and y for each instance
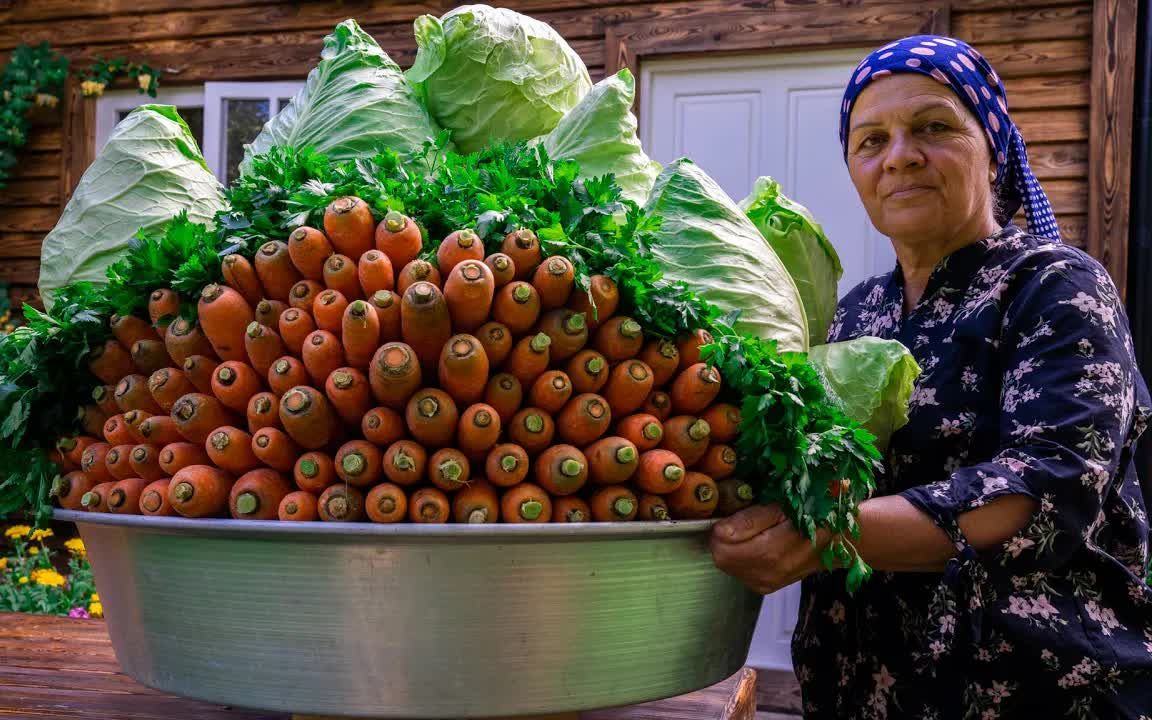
(1041, 48)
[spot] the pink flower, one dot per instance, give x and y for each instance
(78, 612)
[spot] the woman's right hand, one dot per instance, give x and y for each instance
(759, 547)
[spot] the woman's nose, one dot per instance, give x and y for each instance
(903, 152)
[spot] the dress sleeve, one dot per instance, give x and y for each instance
(1068, 396)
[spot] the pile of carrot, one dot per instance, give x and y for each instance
(337, 376)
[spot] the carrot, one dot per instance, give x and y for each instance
(584, 419)
(197, 415)
(263, 346)
(733, 495)
(118, 461)
(588, 371)
(386, 503)
(360, 330)
(150, 355)
(719, 462)
(91, 419)
(59, 456)
(224, 316)
(417, 271)
(653, 507)
(524, 249)
(375, 273)
(476, 504)
(230, 448)
(96, 499)
(132, 420)
(348, 390)
(307, 416)
(506, 465)
(463, 369)
(448, 469)
(619, 338)
(658, 404)
(263, 411)
(689, 345)
(660, 472)
(185, 339)
(303, 294)
(628, 386)
(695, 388)
(526, 503)
(496, 339)
(349, 225)
(424, 323)
(532, 429)
(429, 505)
(145, 462)
(256, 495)
(116, 431)
(128, 329)
(275, 269)
(124, 497)
(382, 426)
(322, 355)
(386, 303)
(554, 279)
(504, 393)
(176, 456)
(479, 430)
(110, 362)
(459, 246)
(359, 463)
(614, 503)
(394, 375)
(241, 276)
(571, 509)
(502, 267)
(468, 291)
(611, 460)
(200, 491)
(268, 312)
(73, 448)
(598, 303)
(561, 470)
(687, 436)
(166, 385)
(234, 383)
(154, 498)
(529, 358)
(163, 308)
(695, 499)
(340, 503)
(431, 416)
(405, 462)
(314, 471)
(340, 275)
(328, 311)
(105, 398)
(642, 430)
(286, 373)
(308, 249)
(299, 506)
(724, 420)
(663, 358)
(295, 326)
(568, 332)
(399, 237)
(550, 391)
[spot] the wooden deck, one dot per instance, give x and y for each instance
(53, 667)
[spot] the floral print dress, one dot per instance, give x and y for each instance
(1030, 387)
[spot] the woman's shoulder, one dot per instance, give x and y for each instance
(1027, 255)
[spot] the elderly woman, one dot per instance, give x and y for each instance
(1009, 534)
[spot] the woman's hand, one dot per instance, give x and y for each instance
(760, 547)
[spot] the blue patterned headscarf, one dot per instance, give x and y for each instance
(957, 65)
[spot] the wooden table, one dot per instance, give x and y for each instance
(53, 667)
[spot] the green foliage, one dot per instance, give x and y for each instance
(103, 72)
(33, 76)
(30, 582)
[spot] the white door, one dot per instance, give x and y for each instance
(777, 114)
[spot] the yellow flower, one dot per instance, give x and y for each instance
(144, 80)
(33, 550)
(41, 534)
(48, 577)
(76, 547)
(96, 610)
(17, 531)
(91, 87)
(23, 580)
(95, 597)
(46, 100)
(3, 563)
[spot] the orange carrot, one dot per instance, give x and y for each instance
(459, 246)
(382, 426)
(234, 383)
(128, 329)
(561, 470)
(550, 391)
(360, 330)
(230, 448)
(658, 404)
(116, 431)
(263, 411)
(328, 311)
(429, 505)
(274, 448)
(159, 431)
(431, 416)
(479, 430)
(687, 436)
(448, 469)
(59, 456)
(695, 499)
(119, 461)
(399, 237)
(660, 472)
(532, 429)
(133, 420)
(463, 369)
(150, 355)
(386, 503)
(224, 316)
(628, 386)
(307, 416)
(554, 279)
(166, 385)
(110, 362)
(197, 415)
(303, 294)
(275, 269)
(598, 303)
(163, 307)
(506, 465)
(516, 306)
(200, 491)
(724, 420)
(241, 277)
(468, 291)
(185, 339)
(496, 340)
(502, 267)
(91, 419)
(529, 358)
(571, 509)
(349, 224)
(145, 462)
(526, 503)
(74, 448)
(689, 345)
(417, 271)
(124, 496)
(295, 326)
(386, 303)
(132, 394)
(154, 498)
(524, 249)
(584, 419)
(340, 275)
(614, 503)
(611, 460)
(425, 324)
(105, 398)
(359, 463)
(394, 375)
(733, 495)
(567, 330)
(92, 462)
(268, 312)
(340, 503)
(405, 462)
(588, 371)
(174, 457)
(350, 394)
(619, 338)
(664, 360)
(642, 430)
(286, 373)
(314, 471)
(375, 273)
(476, 504)
(505, 393)
(322, 355)
(308, 249)
(96, 499)
(263, 346)
(719, 462)
(653, 507)
(299, 506)
(695, 388)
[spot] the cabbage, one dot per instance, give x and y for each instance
(600, 134)
(706, 241)
(149, 170)
(801, 245)
(491, 74)
(871, 379)
(355, 102)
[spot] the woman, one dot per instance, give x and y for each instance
(1008, 534)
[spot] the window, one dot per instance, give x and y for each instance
(223, 116)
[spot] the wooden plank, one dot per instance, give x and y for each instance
(18, 295)
(48, 139)
(1048, 91)
(20, 271)
(80, 130)
(965, 5)
(1016, 59)
(1039, 126)
(31, 192)
(1068, 196)
(39, 10)
(28, 219)
(1059, 160)
(35, 164)
(1047, 23)
(1110, 147)
(1073, 230)
(778, 691)
(20, 245)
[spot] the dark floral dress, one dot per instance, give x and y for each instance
(1030, 387)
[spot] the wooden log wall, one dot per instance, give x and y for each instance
(1042, 48)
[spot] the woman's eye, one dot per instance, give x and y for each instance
(872, 141)
(936, 127)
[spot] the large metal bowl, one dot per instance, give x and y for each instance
(417, 621)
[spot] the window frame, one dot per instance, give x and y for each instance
(113, 101)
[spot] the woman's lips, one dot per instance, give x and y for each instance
(907, 192)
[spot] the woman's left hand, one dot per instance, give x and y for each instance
(760, 547)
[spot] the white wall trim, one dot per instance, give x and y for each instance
(113, 101)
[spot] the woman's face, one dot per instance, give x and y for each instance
(920, 161)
